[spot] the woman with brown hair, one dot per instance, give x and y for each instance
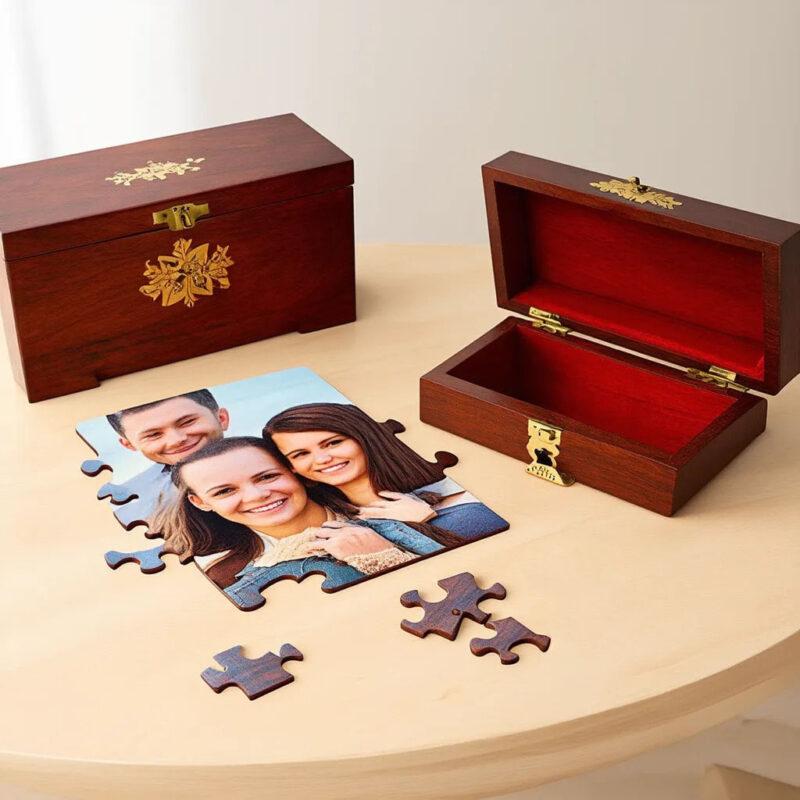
(245, 518)
(365, 472)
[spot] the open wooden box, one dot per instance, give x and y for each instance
(693, 283)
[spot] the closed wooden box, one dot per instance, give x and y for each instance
(579, 254)
(134, 256)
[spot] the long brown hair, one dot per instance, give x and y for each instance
(392, 466)
(189, 531)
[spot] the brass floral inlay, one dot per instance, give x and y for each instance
(156, 171)
(632, 189)
(187, 274)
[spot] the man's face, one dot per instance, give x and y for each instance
(172, 430)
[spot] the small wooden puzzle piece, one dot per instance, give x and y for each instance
(510, 633)
(254, 676)
(445, 616)
(149, 561)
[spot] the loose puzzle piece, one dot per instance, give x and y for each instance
(445, 616)
(254, 676)
(149, 561)
(510, 633)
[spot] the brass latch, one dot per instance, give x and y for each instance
(547, 321)
(633, 189)
(180, 217)
(544, 447)
(717, 376)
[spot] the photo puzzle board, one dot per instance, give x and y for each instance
(277, 476)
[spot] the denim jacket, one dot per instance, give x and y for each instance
(246, 592)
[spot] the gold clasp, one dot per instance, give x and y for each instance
(544, 447)
(637, 185)
(178, 218)
(633, 189)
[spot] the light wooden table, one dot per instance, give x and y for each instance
(661, 627)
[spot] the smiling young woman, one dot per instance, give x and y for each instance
(365, 472)
(245, 517)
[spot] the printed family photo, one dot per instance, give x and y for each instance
(280, 476)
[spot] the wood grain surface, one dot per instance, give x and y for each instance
(661, 626)
(67, 202)
(292, 271)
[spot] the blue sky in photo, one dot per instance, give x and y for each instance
(251, 402)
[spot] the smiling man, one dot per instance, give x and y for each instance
(164, 432)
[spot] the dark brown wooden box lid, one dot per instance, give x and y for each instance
(82, 199)
(691, 282)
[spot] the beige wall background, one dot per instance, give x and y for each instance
(696, 96)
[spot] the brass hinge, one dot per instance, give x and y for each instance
(548, 321)
(717, 376)
(178, 218)
(544, 447)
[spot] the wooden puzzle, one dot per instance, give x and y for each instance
(254, 676)
(445, 616)
(166, 456)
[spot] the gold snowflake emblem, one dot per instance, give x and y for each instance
(187, 274)
(634, 190)
(156, 171)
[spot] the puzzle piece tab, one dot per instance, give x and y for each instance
(442, 459)
(119, 493)
(445, 616)
(149, 561)
(510, 633)
(247, 593)
(135, 498)
(254, 676)
(94, 466)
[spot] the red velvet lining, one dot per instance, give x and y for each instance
(681, 293)
(596, 389)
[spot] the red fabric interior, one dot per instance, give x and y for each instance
(596, 389)
(681, 293)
